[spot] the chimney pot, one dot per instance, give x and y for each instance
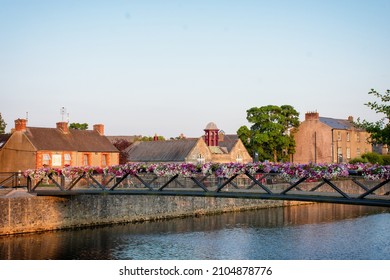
(350, 118)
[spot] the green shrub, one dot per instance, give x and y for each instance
(358, 160)
(373, 158)
(386, 159)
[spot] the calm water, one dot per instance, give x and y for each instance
(318, 231)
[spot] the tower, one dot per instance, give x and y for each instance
(211, 134)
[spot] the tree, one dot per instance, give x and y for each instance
(269, 137)
(151, 138)
(380, 130)
(79, 126)
(2, 125)
(122, 145)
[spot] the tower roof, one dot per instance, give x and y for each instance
(211, 126)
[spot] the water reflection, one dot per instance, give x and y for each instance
(316, 231)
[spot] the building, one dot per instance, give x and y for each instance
(327, 140)
(35, 147)
(214, 146)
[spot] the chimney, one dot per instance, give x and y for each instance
(63, 126)
(155, 138)
(221, 136)
(312, 116)
(99, 128)
(20, 125)
(350, 118)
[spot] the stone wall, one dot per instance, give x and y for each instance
(27, 213)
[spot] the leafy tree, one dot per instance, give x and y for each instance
(151, 138)
(122, 145)
(269, 137)
(79, 126)
(380, 130)
(2, 125)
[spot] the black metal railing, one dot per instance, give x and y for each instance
(12, 180)
(351, 190)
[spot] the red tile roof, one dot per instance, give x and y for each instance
(76, 140)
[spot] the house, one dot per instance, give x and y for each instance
(35, 147)
(214, 146)
(328, 140)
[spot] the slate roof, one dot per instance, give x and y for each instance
(229, 141)
(173, 150)
(53, 139)
(161, 151)
(3, 139)
(338, 123)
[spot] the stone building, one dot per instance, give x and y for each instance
(35, 147)
(327, 140)
(214, 146)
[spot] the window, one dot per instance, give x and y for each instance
(358, 137)
(339, 155)
(86, 160)
(239, 158)
(339, 136)
(200, 159)
(348, 153)
(46, 159)
(104, 160)
(358, 152)
(348, 137)
(57, 160)
(67, 159)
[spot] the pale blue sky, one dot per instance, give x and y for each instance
(170, 67)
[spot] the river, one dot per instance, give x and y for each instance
(307, 232)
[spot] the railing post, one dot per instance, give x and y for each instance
(29, 184)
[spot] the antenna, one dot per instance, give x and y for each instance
(63, 112)
(27, 116)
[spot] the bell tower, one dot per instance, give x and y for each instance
(211, 134)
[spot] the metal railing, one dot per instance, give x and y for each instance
(353, 190)
(12, 180)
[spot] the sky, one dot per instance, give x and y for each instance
(170, 67)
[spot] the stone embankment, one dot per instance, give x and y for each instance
(21, 212)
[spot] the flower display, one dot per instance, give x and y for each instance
(288, 171)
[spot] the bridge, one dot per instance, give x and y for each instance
(345, 184)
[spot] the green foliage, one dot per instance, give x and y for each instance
(2, 125)
(380, 130)
(358, 160)
(79, 126)
(386, 159)
(373, 158)
(269, 135)
(151, 138)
